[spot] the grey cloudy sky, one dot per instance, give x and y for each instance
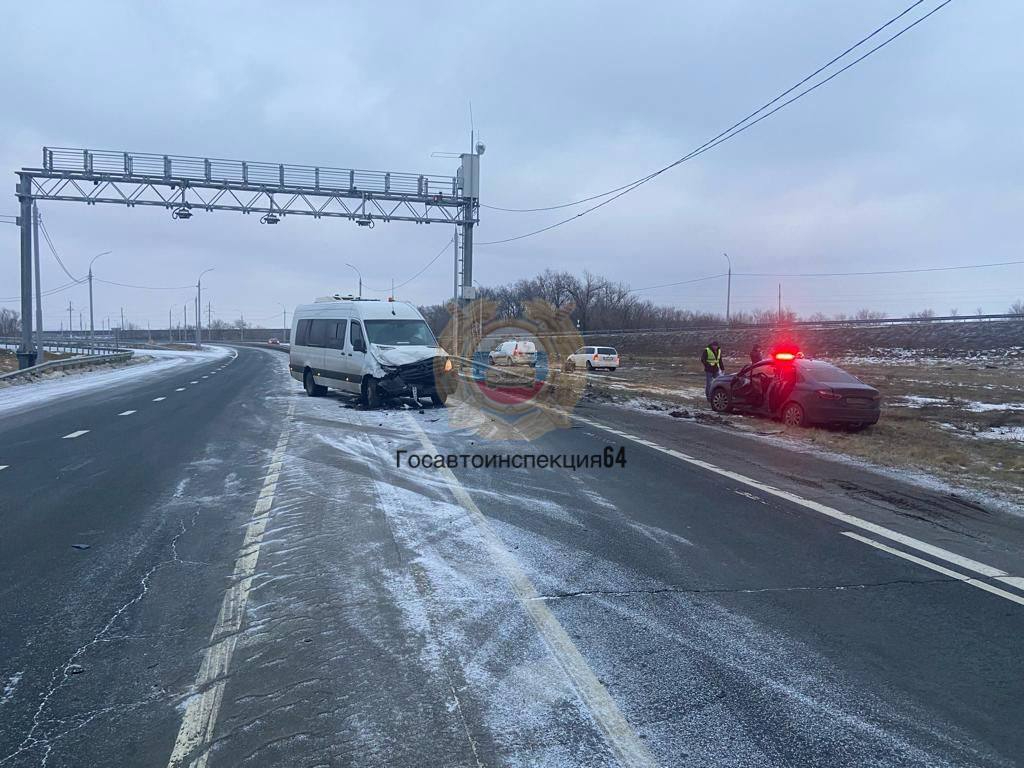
(911, 159)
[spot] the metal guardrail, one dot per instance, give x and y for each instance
(68, 364)
(69, 345)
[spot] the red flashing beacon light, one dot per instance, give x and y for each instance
(786, 354)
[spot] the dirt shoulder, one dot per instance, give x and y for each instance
(960, 420)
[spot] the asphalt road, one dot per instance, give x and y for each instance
(256, 582)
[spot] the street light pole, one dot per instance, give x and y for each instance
(360, 278)
(284, 321)
(199, 308)
(92, 328)
(728, 289)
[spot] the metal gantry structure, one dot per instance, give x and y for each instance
(185, 185)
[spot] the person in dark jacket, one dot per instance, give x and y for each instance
(711, 359)
(755, 354)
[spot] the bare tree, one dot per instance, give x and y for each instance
(869, 314)
(1017, 308)
(583, 293)
(10, 322)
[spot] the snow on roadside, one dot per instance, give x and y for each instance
(974, 406)
(1008, 433)
(30, 394)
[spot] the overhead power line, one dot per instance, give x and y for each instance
(878, 271)
(753, 114)
(865, 273)
(146, 287)
(681, 282)
(427, 266)
(737, 128)
(49, 292)
(53, 250)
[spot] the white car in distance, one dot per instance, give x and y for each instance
(592, 358)
(514, 352)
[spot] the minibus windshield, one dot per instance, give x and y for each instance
(400, 333)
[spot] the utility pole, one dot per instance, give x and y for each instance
(39, 290)
(780, 302)
(122, 319)
(184, 327)
(209, 312)
(71, 328)
(728, 289)
(170, 337)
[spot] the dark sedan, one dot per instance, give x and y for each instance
(798, 391)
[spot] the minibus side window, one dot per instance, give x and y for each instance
(358, 344)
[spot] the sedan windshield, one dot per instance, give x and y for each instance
(400, 332)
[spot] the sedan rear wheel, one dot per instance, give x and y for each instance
(793, 415)
(720, 401)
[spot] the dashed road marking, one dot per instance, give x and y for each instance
(936, 567)
(206, 377)
(619, 734)
(158, 399)
(126, 413)
(750, 496)
(4, 466)
(73, 435)
(191, 747)
(843, 517)
(193, 382)
(180, 389)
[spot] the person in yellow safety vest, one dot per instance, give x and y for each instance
(711, 358)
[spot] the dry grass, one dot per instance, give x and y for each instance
(9, 360)
(949, 436)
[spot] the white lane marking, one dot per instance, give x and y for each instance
(158, 399)
(193, 382)
(126, 413)
(79, 433)
(843, 517)
(935, 567)
(750, 496)
(206, 377)
(180, 389)
(619, 734)
(4, 466)
(1013, 581)
(202, 708)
